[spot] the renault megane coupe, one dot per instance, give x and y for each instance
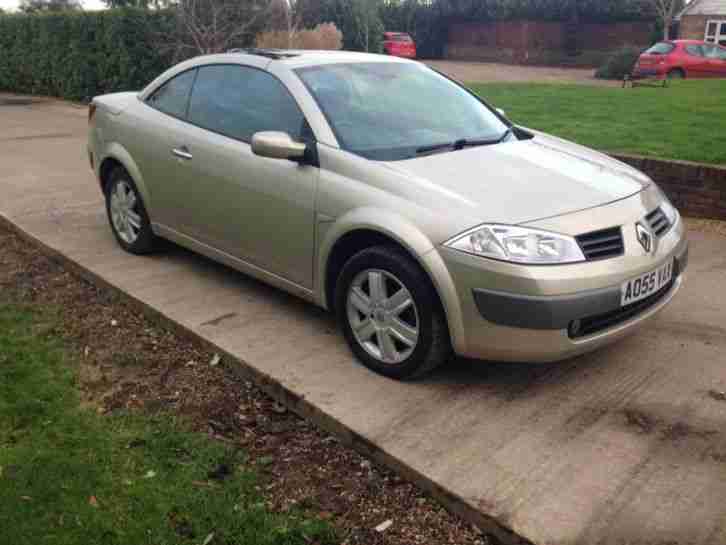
(380, 189)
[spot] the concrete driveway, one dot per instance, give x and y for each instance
(627, 445)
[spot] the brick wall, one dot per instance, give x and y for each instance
(697, 190)
(540, 42)
(693, 27)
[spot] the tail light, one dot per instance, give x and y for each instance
(91, 112)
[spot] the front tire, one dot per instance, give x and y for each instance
(390, 314)
(127, 215)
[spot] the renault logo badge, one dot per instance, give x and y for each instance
(645, 237)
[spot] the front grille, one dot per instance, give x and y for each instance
(600, 322)
(658, 222)
(601, 244)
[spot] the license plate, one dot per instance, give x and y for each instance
(646, 284)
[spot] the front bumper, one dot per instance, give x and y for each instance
(522, 313)
(560, 311)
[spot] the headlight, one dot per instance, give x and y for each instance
(518, 245)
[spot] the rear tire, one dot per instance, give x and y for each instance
(127, 214)
(390, 314)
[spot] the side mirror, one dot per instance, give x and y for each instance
(501, 112)
(277, 145)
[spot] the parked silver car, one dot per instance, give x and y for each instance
(375, 187)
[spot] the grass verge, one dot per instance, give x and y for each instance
(69, 475)
(685, 121)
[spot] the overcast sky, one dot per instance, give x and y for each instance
(87, 4)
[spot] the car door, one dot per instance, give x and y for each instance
(697, 63)
(721, 67)
(711, 52)
(156, 119)
(256, 209)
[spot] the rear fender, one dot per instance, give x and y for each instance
(115, 151)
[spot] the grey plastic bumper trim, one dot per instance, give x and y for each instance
(551, 312)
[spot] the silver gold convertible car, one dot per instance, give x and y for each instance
(382, 190)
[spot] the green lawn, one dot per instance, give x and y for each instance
(685, 121)
(71, 476)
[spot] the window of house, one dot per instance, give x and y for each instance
(716, 32)
(238, 101)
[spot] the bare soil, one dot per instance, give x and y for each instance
(129, 361)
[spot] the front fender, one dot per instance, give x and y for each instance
(115, 151)
(408, 236)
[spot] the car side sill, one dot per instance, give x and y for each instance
(233, 262)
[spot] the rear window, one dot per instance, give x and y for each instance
(399, 37)
(661, 48)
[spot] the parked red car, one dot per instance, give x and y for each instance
(399, 44)
(682, 59)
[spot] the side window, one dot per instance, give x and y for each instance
(172, 97)
(237, 101)
(709, 51)
(694, 50)
(721, 53)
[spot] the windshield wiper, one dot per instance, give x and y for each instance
(462, 143)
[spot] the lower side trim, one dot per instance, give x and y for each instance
(233, 262)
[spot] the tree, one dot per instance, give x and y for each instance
(214, 26)
(143, 4)
(37, 6)
(359, 20)
(666, 10)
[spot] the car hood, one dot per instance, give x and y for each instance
(521, 181)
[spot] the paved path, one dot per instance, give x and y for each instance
(627, 445)
(475, 72)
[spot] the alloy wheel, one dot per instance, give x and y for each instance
(383, 315)
(124, 212)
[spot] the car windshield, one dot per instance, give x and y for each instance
(391, 111)
(661, 48)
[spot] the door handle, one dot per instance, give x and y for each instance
(182, 153)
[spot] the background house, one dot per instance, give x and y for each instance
(545, 42)
(704, 20)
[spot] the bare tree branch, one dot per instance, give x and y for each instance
(214, 26)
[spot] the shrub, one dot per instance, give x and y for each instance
(619, 64)
(323, 36)
(359, 21)
(76, 55)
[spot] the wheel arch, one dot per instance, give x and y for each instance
(364, 228)
(116, 155)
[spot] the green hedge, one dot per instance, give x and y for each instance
(425, 22)
(77, 55)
